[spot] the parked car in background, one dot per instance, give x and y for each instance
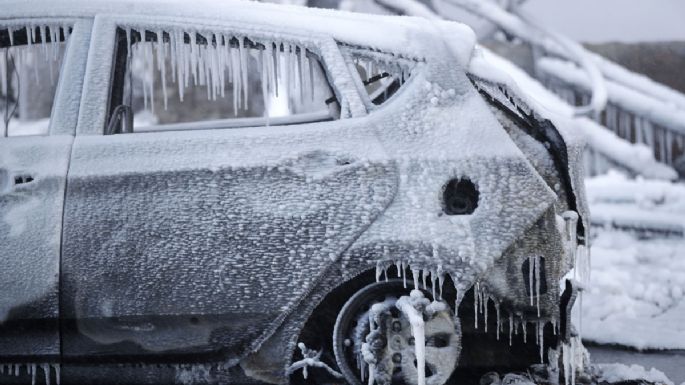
(246, 193)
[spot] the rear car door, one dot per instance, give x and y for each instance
(193, 230)
(41, 73)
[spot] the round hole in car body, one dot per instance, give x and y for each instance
(460, 197)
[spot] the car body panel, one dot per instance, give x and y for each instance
(215, 244)
(32, 181)
(233, 223)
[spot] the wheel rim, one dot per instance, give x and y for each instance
(391, 344)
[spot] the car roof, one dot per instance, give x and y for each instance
(403, 35)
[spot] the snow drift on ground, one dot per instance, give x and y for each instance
(636, 296)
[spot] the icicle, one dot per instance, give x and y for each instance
(16, 370)
(261, 64)
(537, 282)
(286, 71)
(415, 275)
(541, 340)
(311, 77)
(531, 267)
(139, 47)
(221, 65)
(433, 280)
(293, 92)
(46, 370)
(58, 374)
(150, 57)
(511, 326)
(275, 67)
(441, 281)
(207, 69)
(193, 55)
(213, 65)
(404, 276)
(174, 56)
(524, 326)
(3, 72)
(161, 63)
(243, 69)
(301, 60)
(398, 265)
(32, 369)
(485, 311)
(54, 41)
(378, 271)
(498, 319)
(424, 275)
(236, 68)
(43, 39)
(475, 304)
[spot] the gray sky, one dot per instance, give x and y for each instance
(612, 20)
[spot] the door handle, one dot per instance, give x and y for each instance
(8, 180)
(22, 179)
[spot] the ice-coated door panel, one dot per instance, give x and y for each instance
(174, 240)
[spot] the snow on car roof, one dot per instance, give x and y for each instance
(412, 36)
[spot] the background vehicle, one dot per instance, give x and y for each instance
(201, 244)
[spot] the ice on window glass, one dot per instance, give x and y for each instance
(30, 62)
(184, 80)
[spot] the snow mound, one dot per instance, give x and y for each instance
(612, 373)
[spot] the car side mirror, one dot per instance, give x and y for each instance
(121, 121)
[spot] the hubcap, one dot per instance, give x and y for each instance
(385, 348)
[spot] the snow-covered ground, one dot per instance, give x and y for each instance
(636, 296)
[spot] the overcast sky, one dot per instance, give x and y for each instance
(613, 20)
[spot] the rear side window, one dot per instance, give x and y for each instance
(30, 63)
(381, 74)
(180, 80)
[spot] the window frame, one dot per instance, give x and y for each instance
(96, 101)
(64, 110)
(346, 51)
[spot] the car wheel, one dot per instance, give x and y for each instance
(373, 337)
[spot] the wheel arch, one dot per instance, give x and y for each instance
(271, 359)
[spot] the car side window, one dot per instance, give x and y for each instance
(30, 64)
(180, 80)
(381, 74)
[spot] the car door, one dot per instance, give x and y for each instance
(41, 74)
(185, 239)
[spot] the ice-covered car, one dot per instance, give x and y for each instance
(235, 192)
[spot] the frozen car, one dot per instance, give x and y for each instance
(238, 192)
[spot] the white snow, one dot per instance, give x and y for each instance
(408, 35)
(612, 373)
(636, 297)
